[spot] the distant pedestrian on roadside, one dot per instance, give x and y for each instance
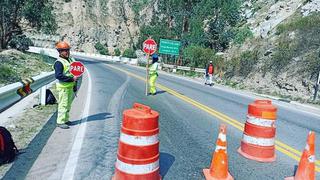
(66, 85)
(153, 74)
(209, 74)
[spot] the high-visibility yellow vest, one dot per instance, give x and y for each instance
(66, 72)
(153, 69)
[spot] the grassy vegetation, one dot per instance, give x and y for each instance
(15, 66)
(243, 64)
(300, 23)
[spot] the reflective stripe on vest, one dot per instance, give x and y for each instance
(66, 72)
(153, 68)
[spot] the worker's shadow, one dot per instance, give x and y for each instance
(166, 161)
(160, 92)
(96, 117)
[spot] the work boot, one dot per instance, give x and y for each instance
(63, 126)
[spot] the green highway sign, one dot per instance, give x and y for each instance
(169, 47)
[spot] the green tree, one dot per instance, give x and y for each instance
(101, 49)
(129, 53)
(36, 12)
(198, 56)
(117, 52)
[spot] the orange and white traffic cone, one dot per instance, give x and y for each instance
(306, 168)
(219, 164)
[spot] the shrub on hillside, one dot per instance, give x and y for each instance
(101, 49)
(20, 42)
(241, 34)
(242, 65)
(129, 53)
(197, 56)
(117, 52)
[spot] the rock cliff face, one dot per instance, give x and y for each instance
(110, 22)
(263, 17)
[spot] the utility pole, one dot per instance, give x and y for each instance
(316, 88)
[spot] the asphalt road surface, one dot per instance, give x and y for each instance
(190, 115)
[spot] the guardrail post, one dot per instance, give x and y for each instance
(43, 90)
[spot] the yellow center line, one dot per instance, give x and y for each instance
(280, 146)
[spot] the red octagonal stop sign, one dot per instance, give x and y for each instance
(149, 46)
(76, 68)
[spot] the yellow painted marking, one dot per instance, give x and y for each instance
(280, 146)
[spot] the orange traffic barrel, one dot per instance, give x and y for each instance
(138, 150)
(258, 141)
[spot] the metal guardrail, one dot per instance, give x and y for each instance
(13, 93)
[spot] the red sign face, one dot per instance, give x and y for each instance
(149, 46)
(76, 68)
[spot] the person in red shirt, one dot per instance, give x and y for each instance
(209, 74)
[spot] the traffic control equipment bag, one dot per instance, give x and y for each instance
(50, 99)
(8, 149)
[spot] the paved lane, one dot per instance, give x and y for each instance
(188, 131)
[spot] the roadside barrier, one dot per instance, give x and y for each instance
(138, 150)
(258, 141)
(306, 168)
(26, 89)
(219, 164)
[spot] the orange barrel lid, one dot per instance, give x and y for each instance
(262, 109)
(141, 120)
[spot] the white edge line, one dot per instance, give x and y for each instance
(71, 164)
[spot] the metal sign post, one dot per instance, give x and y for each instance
(149, 47)
(147, 74)
(316, 88)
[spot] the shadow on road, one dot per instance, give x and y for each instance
(160, 92)
(96, 117)
(166, 161)
(28, 156)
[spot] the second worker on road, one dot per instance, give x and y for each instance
(153, 74)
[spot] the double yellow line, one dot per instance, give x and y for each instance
(280, 146)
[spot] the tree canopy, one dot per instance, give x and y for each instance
(38, 13)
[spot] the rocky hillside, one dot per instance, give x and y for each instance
(113, 23)
(283, 57)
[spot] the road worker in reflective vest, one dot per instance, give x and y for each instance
(66, 85)
(209, 74)
(153, 74)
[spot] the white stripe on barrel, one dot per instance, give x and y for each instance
(260, 121)
(138, 140)
(137, 169)
(258, 141)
